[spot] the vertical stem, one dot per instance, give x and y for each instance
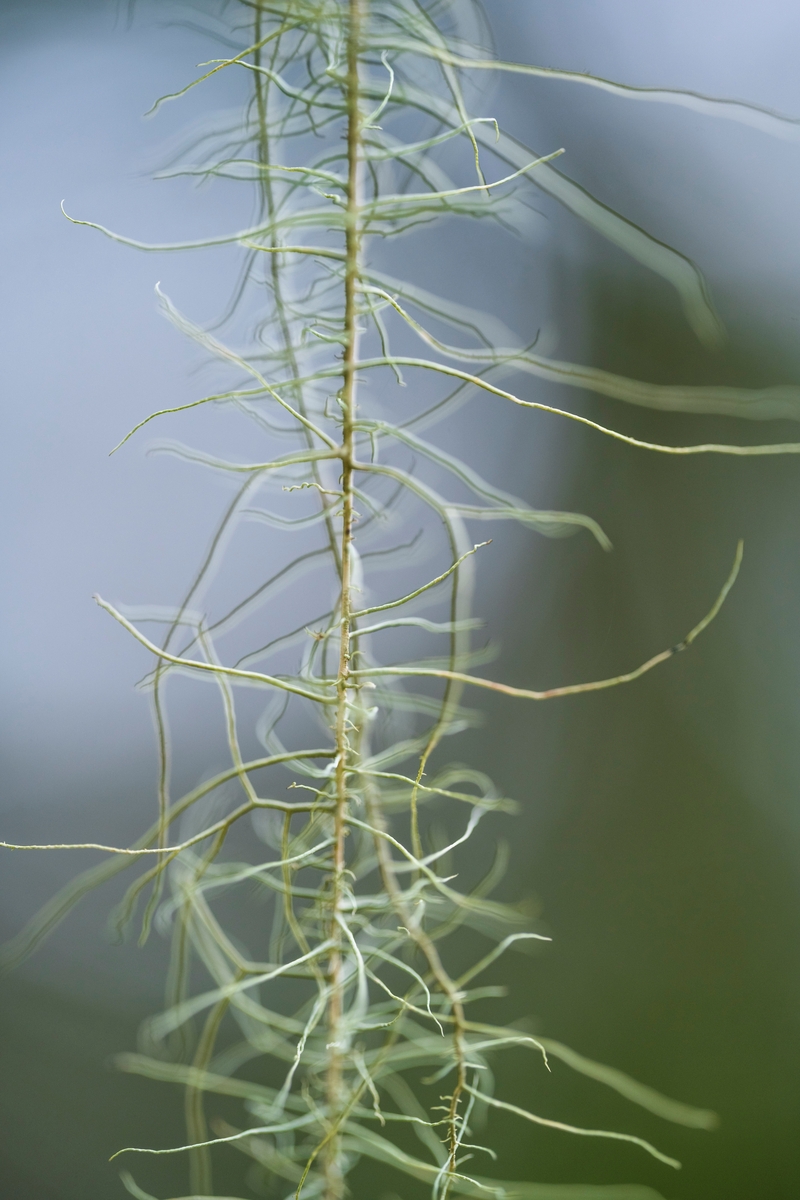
(437, 970)
(269, 205)
(335, 1097)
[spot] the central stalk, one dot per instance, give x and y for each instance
(335, 1096)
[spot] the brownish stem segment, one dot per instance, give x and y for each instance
(334, 1189)
(268, 202)
(446, 984)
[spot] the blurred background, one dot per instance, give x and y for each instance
(659, 834)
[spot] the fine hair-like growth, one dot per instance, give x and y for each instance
(358, 129)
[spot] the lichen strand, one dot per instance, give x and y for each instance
(349, 721)
(359, 129)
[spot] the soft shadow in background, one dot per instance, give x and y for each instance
(660, 822)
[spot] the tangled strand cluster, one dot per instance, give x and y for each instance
(356, 131)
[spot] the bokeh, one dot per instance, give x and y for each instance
(659, 835)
